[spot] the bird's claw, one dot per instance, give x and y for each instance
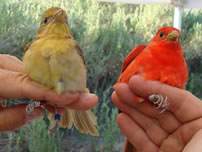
(30, 107)
(159, 102)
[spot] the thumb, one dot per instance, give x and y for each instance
(14, 117)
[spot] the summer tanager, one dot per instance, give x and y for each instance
(161, 60)
(55, 60)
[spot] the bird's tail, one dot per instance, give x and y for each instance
(84, 121)
(128, 147)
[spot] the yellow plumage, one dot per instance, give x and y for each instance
(56, 61)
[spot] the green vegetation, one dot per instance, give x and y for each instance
(107, 33)
(34, 138)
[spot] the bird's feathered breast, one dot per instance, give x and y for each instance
(51, 60)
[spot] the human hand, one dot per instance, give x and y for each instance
(16, 84)
(194, 144)
(147, 129)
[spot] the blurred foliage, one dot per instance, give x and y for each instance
(34, 138)
(106, 32)
(39, 140)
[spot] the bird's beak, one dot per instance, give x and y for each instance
(173, 36)
(60, 16)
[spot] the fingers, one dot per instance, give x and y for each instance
(135, 134)
(87, 101)
(181, 136)
(195, 143)
(75, 101)
(11, 63)
(125, 93)
(23, 87)
(150, 126)
(166, 120)
(52, 109)
(14, 117)
(32, 90)
(37, 113)
(61, 100)
(181, 102)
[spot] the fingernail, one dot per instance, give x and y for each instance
(86, 97)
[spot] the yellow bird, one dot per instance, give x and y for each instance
(55, 60)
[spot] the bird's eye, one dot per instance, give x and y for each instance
(45, 20)
(161, 34)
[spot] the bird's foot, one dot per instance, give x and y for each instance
(54, 127)
(30, 107)
(159, 102)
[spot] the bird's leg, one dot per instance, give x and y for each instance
(30, 107)
(55, 122)
(159, 102)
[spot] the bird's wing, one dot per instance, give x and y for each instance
(80, 52)
(28, 45)
(124, 77)
(132, 55)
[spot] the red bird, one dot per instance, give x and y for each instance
(161, 60)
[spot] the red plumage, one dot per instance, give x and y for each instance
(161, 60)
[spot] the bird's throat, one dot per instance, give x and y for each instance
(56, 29)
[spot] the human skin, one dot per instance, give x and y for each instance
(177, 129)
(15, 84)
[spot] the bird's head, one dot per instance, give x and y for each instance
(167, 36)
(54, 22)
